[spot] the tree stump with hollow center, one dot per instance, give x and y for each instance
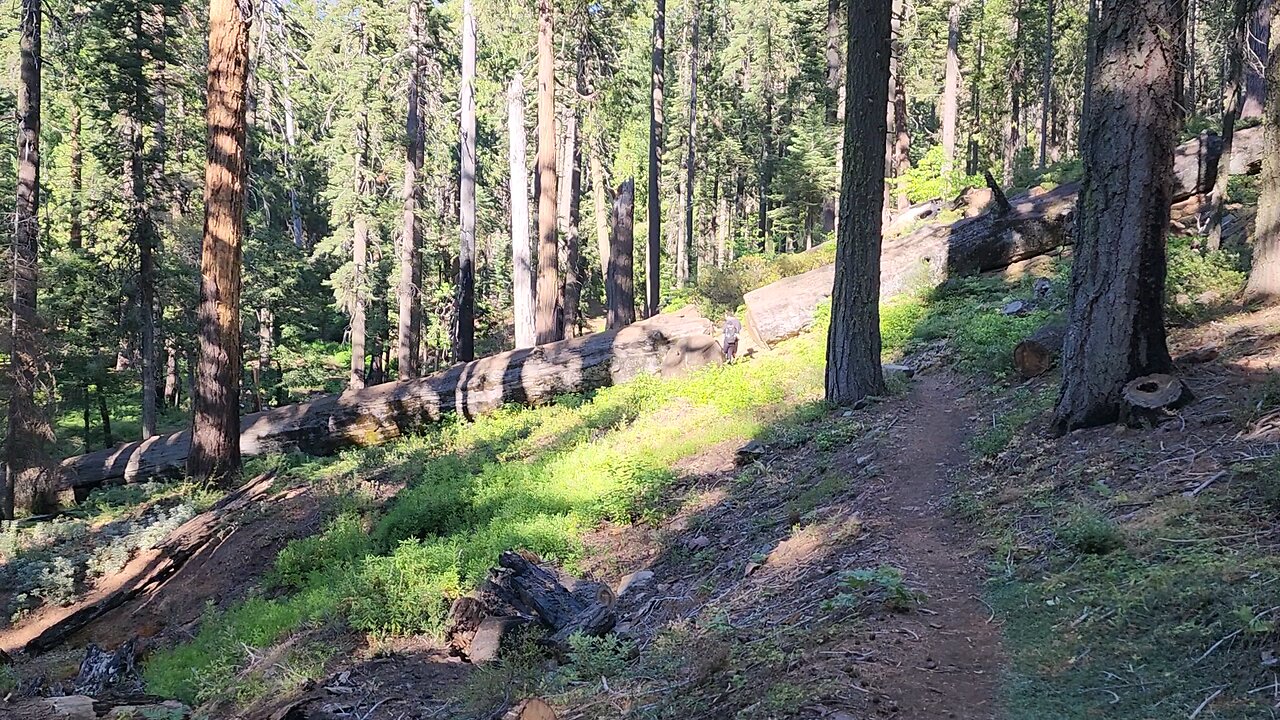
(1152, 398)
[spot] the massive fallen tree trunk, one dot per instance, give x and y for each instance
(666, 343)
(1033, 224)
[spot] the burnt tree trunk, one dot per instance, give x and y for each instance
(215, 438)
(548, 252)
(1116, 313)
(853, 343)
(620, 280)
(465, 347)
(572, 290)
(653, 253)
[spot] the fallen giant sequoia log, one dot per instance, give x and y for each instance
(1032, 225)
(669, 343)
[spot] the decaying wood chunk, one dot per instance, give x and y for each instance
(1037, 354)
(531, 709)
(519, 593)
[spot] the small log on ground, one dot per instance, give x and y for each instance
(384, 412)
(1037, 354)
(1151, 398)
(178, 547)
(519, 593)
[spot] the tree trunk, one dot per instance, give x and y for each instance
(1046, 84)
(574, 271)
(409, 329)
(465, 350)
(521, 261)
(600, 203)
(951, 89)
(77, 175)
(1090, 62)
(262, 367)
(1191, 94)
(833, 61)
(691, 157)
(853, 343)
(28, 429)
(901, 132)
(1259, 36)
(573, 247)
(548, 252)
(104, 415)
(1116, 316)
(359, 303)
(1012, 133)
(653, 255)
(1264, 277)
(975, 93)
(668, 344)
(1232, 106)
(620, 280)
(215, 437)
(172, 383)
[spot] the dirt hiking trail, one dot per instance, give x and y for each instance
(953, 669)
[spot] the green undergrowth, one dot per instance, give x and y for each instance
(721, 289)
(1126, 602)
(532, 478)
(538, 479)
(57, 561)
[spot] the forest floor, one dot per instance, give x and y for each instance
(933, 555)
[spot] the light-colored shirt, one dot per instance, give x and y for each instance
(731, 329)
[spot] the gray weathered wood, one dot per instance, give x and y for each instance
(383, 412)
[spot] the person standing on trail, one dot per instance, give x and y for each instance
(731, 330)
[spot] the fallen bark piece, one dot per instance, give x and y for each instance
(1150, 398)
(166, 559)
(521, 592)
(1037, 354)
(1199, 356)
(384, 412)
(102, 670)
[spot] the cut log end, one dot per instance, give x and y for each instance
(1037, 354)
(531, 709)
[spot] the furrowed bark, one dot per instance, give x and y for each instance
(215, 437)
